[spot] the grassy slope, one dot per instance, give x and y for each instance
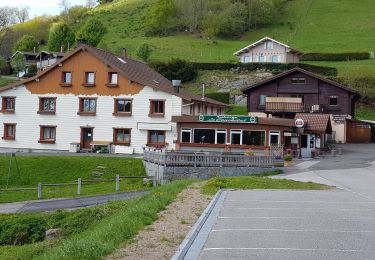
(5, 81)
(63, 169)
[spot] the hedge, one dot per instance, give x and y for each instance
(219, 96)
(336, 56)
(273, 67)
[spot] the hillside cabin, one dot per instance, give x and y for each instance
(268, 50)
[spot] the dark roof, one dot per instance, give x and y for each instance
(25, 53)
(316, 122)
(134, 70)
(262, 121)
(297, 69)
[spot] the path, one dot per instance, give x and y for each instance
(50, 205)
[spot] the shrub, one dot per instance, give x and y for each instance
(176, 69)
(220, 96)
(335, 56)
(288, 158)
(144, 51)
(92, 32)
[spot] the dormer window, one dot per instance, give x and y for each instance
(113, 79)
(298, 81)
(90, 79)
(66, 78)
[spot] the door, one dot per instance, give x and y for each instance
(87, 137)
(274, 138)
(307, 145)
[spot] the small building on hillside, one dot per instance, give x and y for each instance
(92, 98)
(46, 58)
(268, 50)
(29, 59)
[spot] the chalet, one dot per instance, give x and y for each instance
(29, 60)
(46, 58)
(268, 50)
(92, 98)
(299, 91)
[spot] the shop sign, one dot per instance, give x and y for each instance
(299, 123)
(229, 119)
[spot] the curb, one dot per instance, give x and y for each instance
(192, 235)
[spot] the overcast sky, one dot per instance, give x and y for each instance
(39, 7)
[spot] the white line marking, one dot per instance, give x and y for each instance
(234, 208)
(293, 230)
(286, 249)
(294, 201)
(336, 219)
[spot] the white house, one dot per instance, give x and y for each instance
(92, 97)
(268, 50)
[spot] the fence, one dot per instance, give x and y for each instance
(79, 183)
(207, 159)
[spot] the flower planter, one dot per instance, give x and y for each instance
(288, 163)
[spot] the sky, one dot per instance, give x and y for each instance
(39, 7)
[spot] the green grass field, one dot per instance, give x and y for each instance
(5, 81)
(65, 169)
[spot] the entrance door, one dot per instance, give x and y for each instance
(307, 145)
(87, 137)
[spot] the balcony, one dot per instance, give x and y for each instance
(285, 105)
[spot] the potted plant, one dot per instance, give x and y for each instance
(249, 152)
(288, 160)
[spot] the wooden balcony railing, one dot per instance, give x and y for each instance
(285, 107)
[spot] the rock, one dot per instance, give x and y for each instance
(53, 233)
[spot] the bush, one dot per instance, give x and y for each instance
(176, 69)
(335, 56)
(219, 96)
(288, 158)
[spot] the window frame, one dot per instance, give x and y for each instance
(41, 106)
(81, 105)
(337, 101)
(263, 57)
(115, 132)
(63, 77)
(87, 83)
(260, 99)
(262, 131)
(157, 144)
(221, 131)
(274, 133)
(122, 113)
(236, 131)
(269, 45)
(298, 81)
(5, 133)
(41, 137)
(186, 130)
(4, 105)
(152, 113)
(109, 82)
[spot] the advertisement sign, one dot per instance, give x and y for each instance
(229, 119)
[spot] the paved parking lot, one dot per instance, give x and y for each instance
(269, 224)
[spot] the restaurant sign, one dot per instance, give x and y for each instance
(229, 119)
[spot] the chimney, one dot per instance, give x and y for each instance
(62, 48)
(124, 53)
(203, 92)
(176, 85)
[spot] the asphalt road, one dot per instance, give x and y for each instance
(283, 224)
(51, 205)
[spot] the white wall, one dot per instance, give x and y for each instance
(68, 122)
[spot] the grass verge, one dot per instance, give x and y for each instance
(96, 237)
(258, 181)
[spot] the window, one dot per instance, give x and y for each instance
(261, 58)
(112, 79)
(221, 136)
(156, 137)
(9, 132)
(236, 137)
(275, 58)
(47, 134)
(67, 78)
(47, 105)
(254, 138)
(204, 136)
(8, 104)
(298, 81)
(157, 107)
(90, 79)
(87, 106)
(246, 59)
(274, 138)
(333, 100)
(186, 135)
(123, 107)
(262, 100)
(121, 136)
(269, 45)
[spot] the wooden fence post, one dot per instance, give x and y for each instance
(117, 183)
(79, 186)
(39, 190)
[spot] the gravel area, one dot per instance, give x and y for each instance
(161, 239)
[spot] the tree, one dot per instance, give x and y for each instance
(104, 1)
(162, 17)
(92, 32)
(22, 13)
(18, 63)
(90, 3)
(144, 51)
(3, 64)
(65, 6)
(7, 16)
(60, 35)
(26, 43)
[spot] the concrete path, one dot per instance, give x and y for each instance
(50, 205)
